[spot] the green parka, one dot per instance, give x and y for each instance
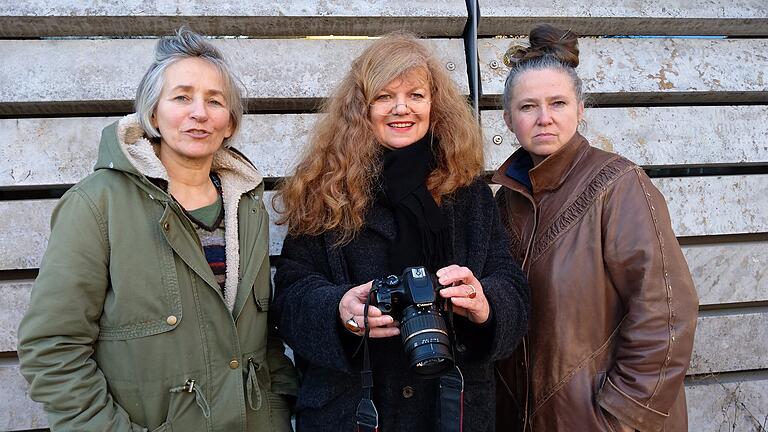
(126, 312)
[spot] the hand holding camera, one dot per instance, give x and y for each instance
(466, 293)
(351, 309)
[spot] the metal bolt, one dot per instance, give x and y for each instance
(495, 64)
(497, 139)
(450, 66)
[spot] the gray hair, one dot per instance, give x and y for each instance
(544, 62)
(184, 44)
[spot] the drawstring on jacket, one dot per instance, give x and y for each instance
(253, 385)
(190, 387)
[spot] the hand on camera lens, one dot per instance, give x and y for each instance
(465, 292)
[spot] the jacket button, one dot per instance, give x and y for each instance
(166, 226)
(407, 392)
(171, 320)
(234, 364)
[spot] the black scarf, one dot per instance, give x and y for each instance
(423, 232)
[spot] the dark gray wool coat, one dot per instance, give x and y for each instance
(311, 278)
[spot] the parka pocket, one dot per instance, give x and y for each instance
(165, 427)
(188, 407)
(144, 293)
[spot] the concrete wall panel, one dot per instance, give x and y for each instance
(14, 300)
(653, 70)
(716, 205)
(26, 231)
(658, 135)
(726, 403)
(47, 151)
(17, 411)
(729, 343)
(697, 17)
(729, 272)
(248, 17)
(99, 75)
(698, 206)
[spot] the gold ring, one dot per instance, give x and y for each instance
(472, 294)
(351, 325)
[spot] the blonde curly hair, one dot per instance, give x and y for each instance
(333, 185)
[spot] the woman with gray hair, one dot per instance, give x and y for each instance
(150, 309)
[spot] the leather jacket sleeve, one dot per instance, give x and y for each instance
(648, 270)
(62, 322)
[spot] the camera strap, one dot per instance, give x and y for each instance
(451, 401)
(366, 416)
(451, 388)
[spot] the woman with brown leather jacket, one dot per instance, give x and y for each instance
(613, 304)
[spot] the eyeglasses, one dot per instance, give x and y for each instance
(385, 104)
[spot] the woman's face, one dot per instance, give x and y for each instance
(192, 114)
(400, 111)
(544, 112)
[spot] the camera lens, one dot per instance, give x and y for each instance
(426, 342)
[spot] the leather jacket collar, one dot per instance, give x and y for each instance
(548, 175)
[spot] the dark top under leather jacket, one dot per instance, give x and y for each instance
(311, 278)
(613, 304)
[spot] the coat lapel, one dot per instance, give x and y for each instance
(186, 246)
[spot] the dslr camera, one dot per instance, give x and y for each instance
(411, 298)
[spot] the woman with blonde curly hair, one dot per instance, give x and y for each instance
(390, 185)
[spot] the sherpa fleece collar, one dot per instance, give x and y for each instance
(237, 174)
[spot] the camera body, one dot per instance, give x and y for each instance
(412, 299)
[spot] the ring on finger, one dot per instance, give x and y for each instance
(472, 294)
(352, 325)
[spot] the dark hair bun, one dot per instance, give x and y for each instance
(548, 39)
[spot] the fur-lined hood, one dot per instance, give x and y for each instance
(129, 150)
(124, 147)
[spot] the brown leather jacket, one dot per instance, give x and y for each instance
(613, 304)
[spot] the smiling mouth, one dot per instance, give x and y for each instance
(400, 125)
